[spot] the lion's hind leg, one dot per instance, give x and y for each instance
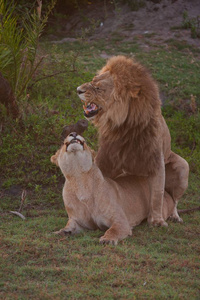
(176, 181)
(156, 185)
(175, 216)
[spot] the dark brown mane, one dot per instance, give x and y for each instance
(133, 143)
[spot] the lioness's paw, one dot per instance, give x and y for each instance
(68, 232)
(63, 232)
(103, 240)
(59, 232)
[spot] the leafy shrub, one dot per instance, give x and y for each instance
(19, 36)
(191, 23)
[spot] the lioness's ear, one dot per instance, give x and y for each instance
(54, 158)
(86, 147)
(93, 154)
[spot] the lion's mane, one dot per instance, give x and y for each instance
(129, 132)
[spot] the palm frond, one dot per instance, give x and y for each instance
(19, 43)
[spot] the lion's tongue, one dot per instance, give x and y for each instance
(90, 107)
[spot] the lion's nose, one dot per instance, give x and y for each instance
(79, 90)
(73, 134)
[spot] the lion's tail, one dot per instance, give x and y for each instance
(186, 211)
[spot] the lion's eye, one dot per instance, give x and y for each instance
(97, 88)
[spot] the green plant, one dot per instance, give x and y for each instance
(191, 23)
(19, 37)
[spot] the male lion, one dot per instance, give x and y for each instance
(123, 103)
(93, 201)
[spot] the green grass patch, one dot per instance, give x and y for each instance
(159, 263)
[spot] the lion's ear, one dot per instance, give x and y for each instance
(54, 158)
(103, 74)
(136, 90)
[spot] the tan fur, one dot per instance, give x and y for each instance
(133, 136)
(93, 201)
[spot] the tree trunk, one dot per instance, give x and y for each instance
(7, 97)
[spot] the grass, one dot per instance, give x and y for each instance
(155, 263)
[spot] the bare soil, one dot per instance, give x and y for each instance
(156, 23)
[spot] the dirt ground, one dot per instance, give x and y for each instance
(157, 22)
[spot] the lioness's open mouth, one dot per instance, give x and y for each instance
(75, 140)
(91, 110)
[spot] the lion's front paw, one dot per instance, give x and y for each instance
(157, 222)
(111, 241)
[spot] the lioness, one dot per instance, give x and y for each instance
(93, 201)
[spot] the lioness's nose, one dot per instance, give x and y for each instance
(74, 134)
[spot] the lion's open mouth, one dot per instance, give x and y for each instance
(91, 110)
(74, 141)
